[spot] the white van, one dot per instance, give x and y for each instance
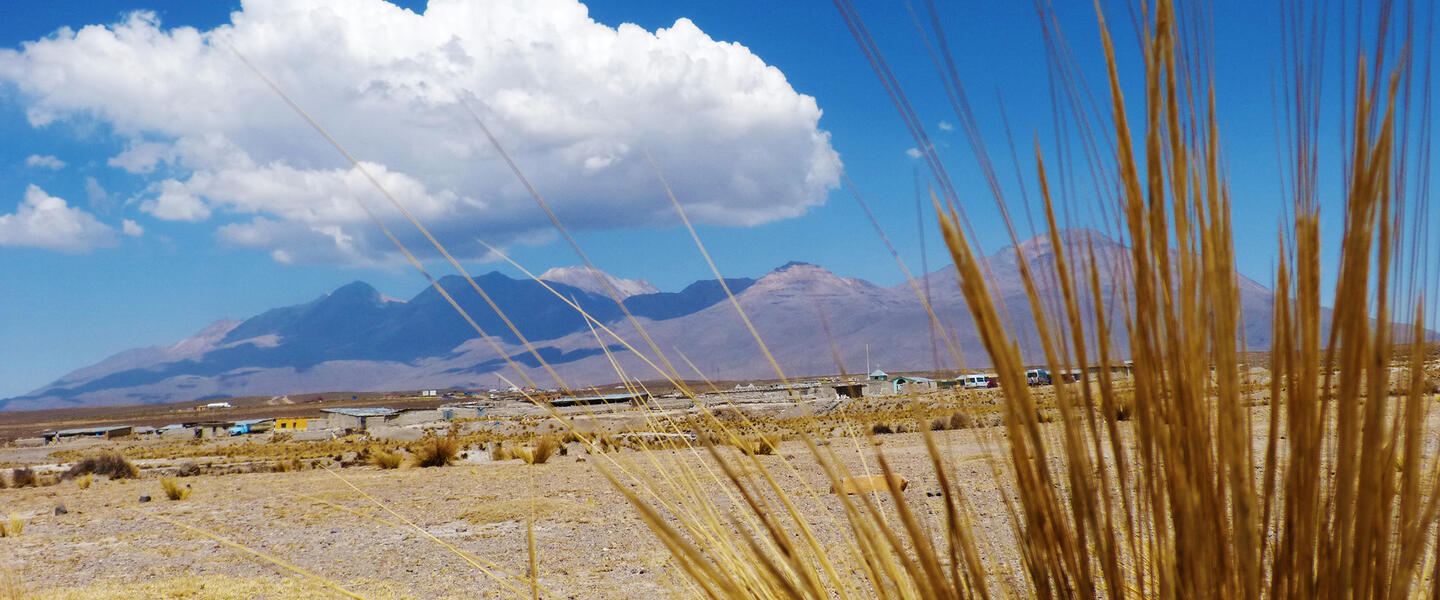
(975, 381)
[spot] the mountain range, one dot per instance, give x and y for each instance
(812, 321)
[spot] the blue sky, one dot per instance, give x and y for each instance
(154, 273)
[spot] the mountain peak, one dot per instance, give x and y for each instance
(357, 289)
(1073, 239)
(590, 280)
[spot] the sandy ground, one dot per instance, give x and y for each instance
(591, 542)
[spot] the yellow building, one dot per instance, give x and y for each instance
(292, 424)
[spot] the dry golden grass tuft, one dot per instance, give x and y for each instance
(500, 451)
(108, 463)
(436, 451)
(763, 444)
(23, 477)
(13, 526)
(84, 481)
(387, 460)
(538, 452)
(174, 490)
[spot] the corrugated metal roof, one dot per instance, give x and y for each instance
(361, 412)
(600, 398)
(253, 421)
(92, 430)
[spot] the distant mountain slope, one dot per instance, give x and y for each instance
(812, 321)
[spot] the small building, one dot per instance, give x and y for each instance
(111, 432)
(635, 398)
(905, 384)
(849, 390)
(878, 375)
(462, 411)
(359, 418)
(209, 429)
(292, 423)
(216, 406)
(429, 393)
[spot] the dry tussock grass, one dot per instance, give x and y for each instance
(539, 451)
(12, 527)
(23, 477)
(173, 490)
(108, 463)
(436, 451)
(387, 460)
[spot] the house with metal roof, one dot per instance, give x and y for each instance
(636, 398)
(111, 432)
(908, 384)
(878, 375)
(359, 418)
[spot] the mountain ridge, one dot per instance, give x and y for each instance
(812, 320)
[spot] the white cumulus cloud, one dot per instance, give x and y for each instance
(44, 221)
(578, 104)
(132, 228)
(45, 162)
(913, 152)
(946, 126)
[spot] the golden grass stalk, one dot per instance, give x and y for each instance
(83, 481)
(174, 490)
(1156, 491)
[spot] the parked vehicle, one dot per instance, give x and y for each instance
(1038, 377)
(975, 381)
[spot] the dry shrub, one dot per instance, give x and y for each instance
(436, 451)
(109, 463)
(187, 469)
(83, 481)
(12, 528)
(499, 451)
(765, 444)
(956, 420)
(540, 452)
(549, 509)
(286, 466)
(1123, 407)
(173, 490)
(387, 460)
(881, 428)
(23, 477)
